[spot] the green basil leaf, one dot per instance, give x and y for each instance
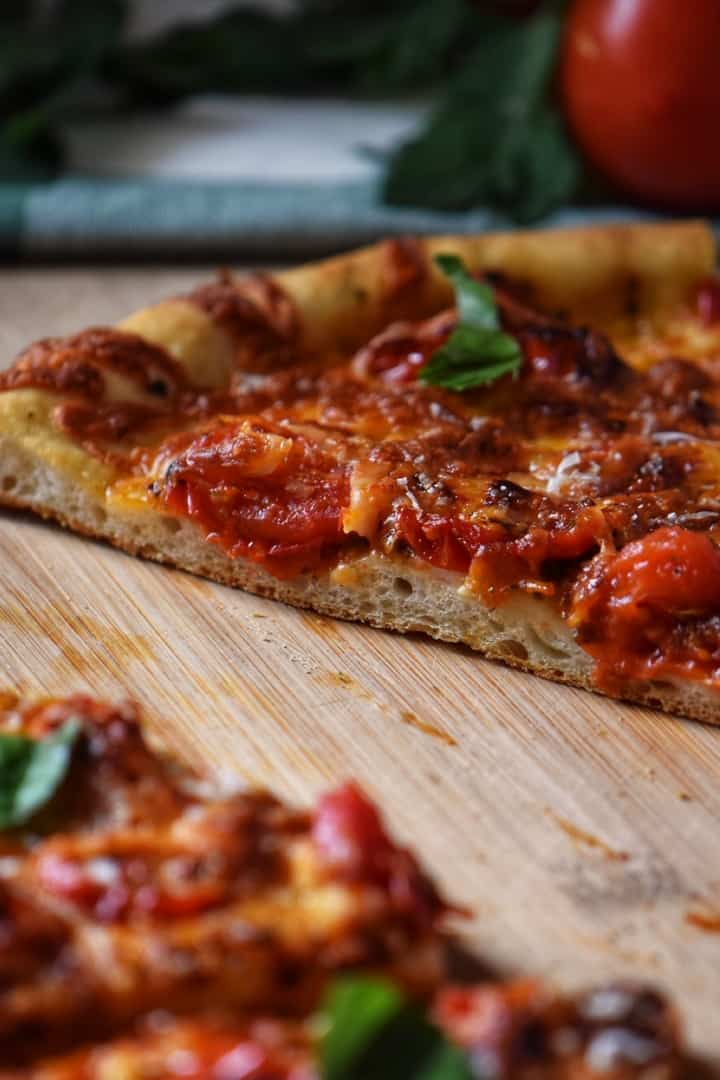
(475, 301)
(496, 136)
(31, 771)
(477, 352)
(374, 1031)
(357, 1009)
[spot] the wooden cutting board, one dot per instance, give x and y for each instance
(584, 833)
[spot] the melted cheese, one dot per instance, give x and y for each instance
(368, 505)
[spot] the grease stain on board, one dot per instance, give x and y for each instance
(707, 921)
(412, 720)
(344, 681)
(584, 839)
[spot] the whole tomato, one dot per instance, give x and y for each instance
(640, 81)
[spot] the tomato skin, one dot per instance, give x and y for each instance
(348, 832)
(651, 610)
(641, 91)
(670, 570)
(708, 302)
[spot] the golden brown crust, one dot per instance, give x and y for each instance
(598, 273)
(342, 432)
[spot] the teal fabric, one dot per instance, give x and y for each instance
(12, 203)
(83, 217)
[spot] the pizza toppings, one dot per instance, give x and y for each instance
(708, 302)
(126, 891)
(653, 609)
(257, 315)
(149, 931)
(477, 352)
(523, 1026)
(373, 1030)
(31, 770)
(419, 447)
(274, 498)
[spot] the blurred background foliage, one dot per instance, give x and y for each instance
(495, 135)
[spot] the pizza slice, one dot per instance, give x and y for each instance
(509, 441)
(153, 928)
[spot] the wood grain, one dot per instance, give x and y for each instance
(584, 833)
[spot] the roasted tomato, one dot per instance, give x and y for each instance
(642, 95)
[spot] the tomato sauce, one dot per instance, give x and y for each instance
(285, 513)
(708, 302)
(541, 484)
(112, 888)
(653, 609)
(352, 844)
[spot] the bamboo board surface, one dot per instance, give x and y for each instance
(582, 832)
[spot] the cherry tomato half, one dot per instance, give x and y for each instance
(641, 89)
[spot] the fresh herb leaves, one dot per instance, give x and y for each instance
(50, 61)
(495, 136)
(372, 1030)
(31, 771)
(478, 351)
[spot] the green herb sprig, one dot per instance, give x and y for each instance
(478, 351)
(372, 1030)
(31, 771)
(495, 134)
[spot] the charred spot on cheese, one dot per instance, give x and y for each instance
(404, 266)
(257, 314)
(53, 364)
(80, 363)
(115, 383)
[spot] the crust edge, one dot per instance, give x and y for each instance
(524, 633)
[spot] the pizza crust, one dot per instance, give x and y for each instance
(599, 273)
(390, 593)
(602, 274)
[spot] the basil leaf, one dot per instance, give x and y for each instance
(477, 352)
(31, 771)
(475, 301)
(357, 1010)
(496, 136)
(374, 1031)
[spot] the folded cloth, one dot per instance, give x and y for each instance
(80, 217)
(233, 178)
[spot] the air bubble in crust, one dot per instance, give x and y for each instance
(402, 586)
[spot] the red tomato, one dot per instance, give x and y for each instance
(671, 570)
(708, 302)
(641, 90)
(348, 832)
